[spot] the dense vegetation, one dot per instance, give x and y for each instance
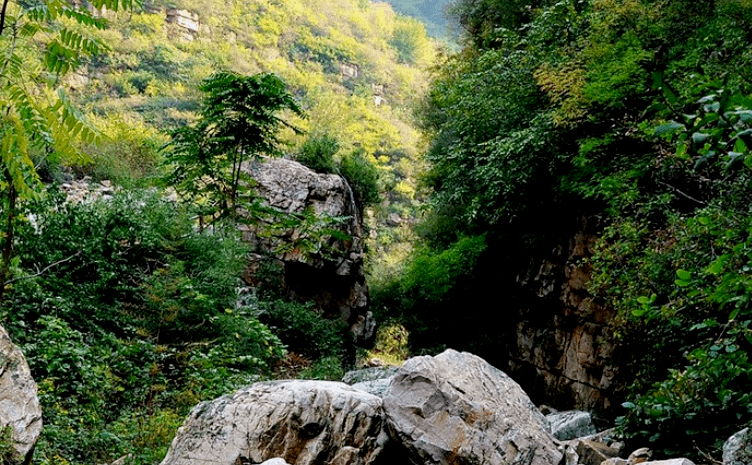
(634, 112)
(131, 310)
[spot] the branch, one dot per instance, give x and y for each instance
(2, 15)
(39, 273)
(683, 194)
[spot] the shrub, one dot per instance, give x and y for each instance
(318, 153)
(362, 177)
(304, 331)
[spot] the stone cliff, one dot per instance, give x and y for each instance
(329, 273)
(563, 350)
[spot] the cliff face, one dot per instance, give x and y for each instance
(563, 351)
(330, 272)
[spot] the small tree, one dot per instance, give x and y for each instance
(238, 121)
(40, 42)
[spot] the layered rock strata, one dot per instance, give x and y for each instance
(563, 350)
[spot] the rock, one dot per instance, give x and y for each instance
(570, 425)
(275, 461)
(562, 348)
(19, 404)
(377, 387)
(737, 450)
(593, 452)
(615, 461)
(680, 461)
(303, 422)
(640, 455)
(334, 277)
(369, 374)
(374, 380)
(456, 408)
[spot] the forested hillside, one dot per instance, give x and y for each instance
(434, 14)
(130, 309)
(635, 114)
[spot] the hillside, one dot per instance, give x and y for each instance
(128, 315)
(432, 13)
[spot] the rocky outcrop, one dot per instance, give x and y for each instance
(302, 422)
(19, 404)
(456, 408)
(564, 352)
(332, 273)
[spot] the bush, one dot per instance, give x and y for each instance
(318, 153)
(131, 322)
(304, 331)
(362, 177)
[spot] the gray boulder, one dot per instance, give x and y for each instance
(333, 277)
(19, 404)
(570, 425)
(737, 450)
(302, 422)
(456, 408)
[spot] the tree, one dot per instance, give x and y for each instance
(40, 42)
(238, 121)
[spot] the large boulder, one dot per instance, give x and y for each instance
(19, 404)
(333, 276)
(302, 422)
(456, 408)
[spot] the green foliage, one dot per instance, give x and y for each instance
(362, 177)
(636, 113)
(426, 295)
(303, 330)
(6, 444)
(128, 318)
(409, 40)
(318, 153)
(239, 122)
(325, 368)
(391, 345)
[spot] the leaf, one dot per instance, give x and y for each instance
(718, 264)
(628, 405)
(684, 275)
(668, 128)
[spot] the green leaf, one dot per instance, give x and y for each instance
(718, 264)
(684, 275)
(668, 128)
